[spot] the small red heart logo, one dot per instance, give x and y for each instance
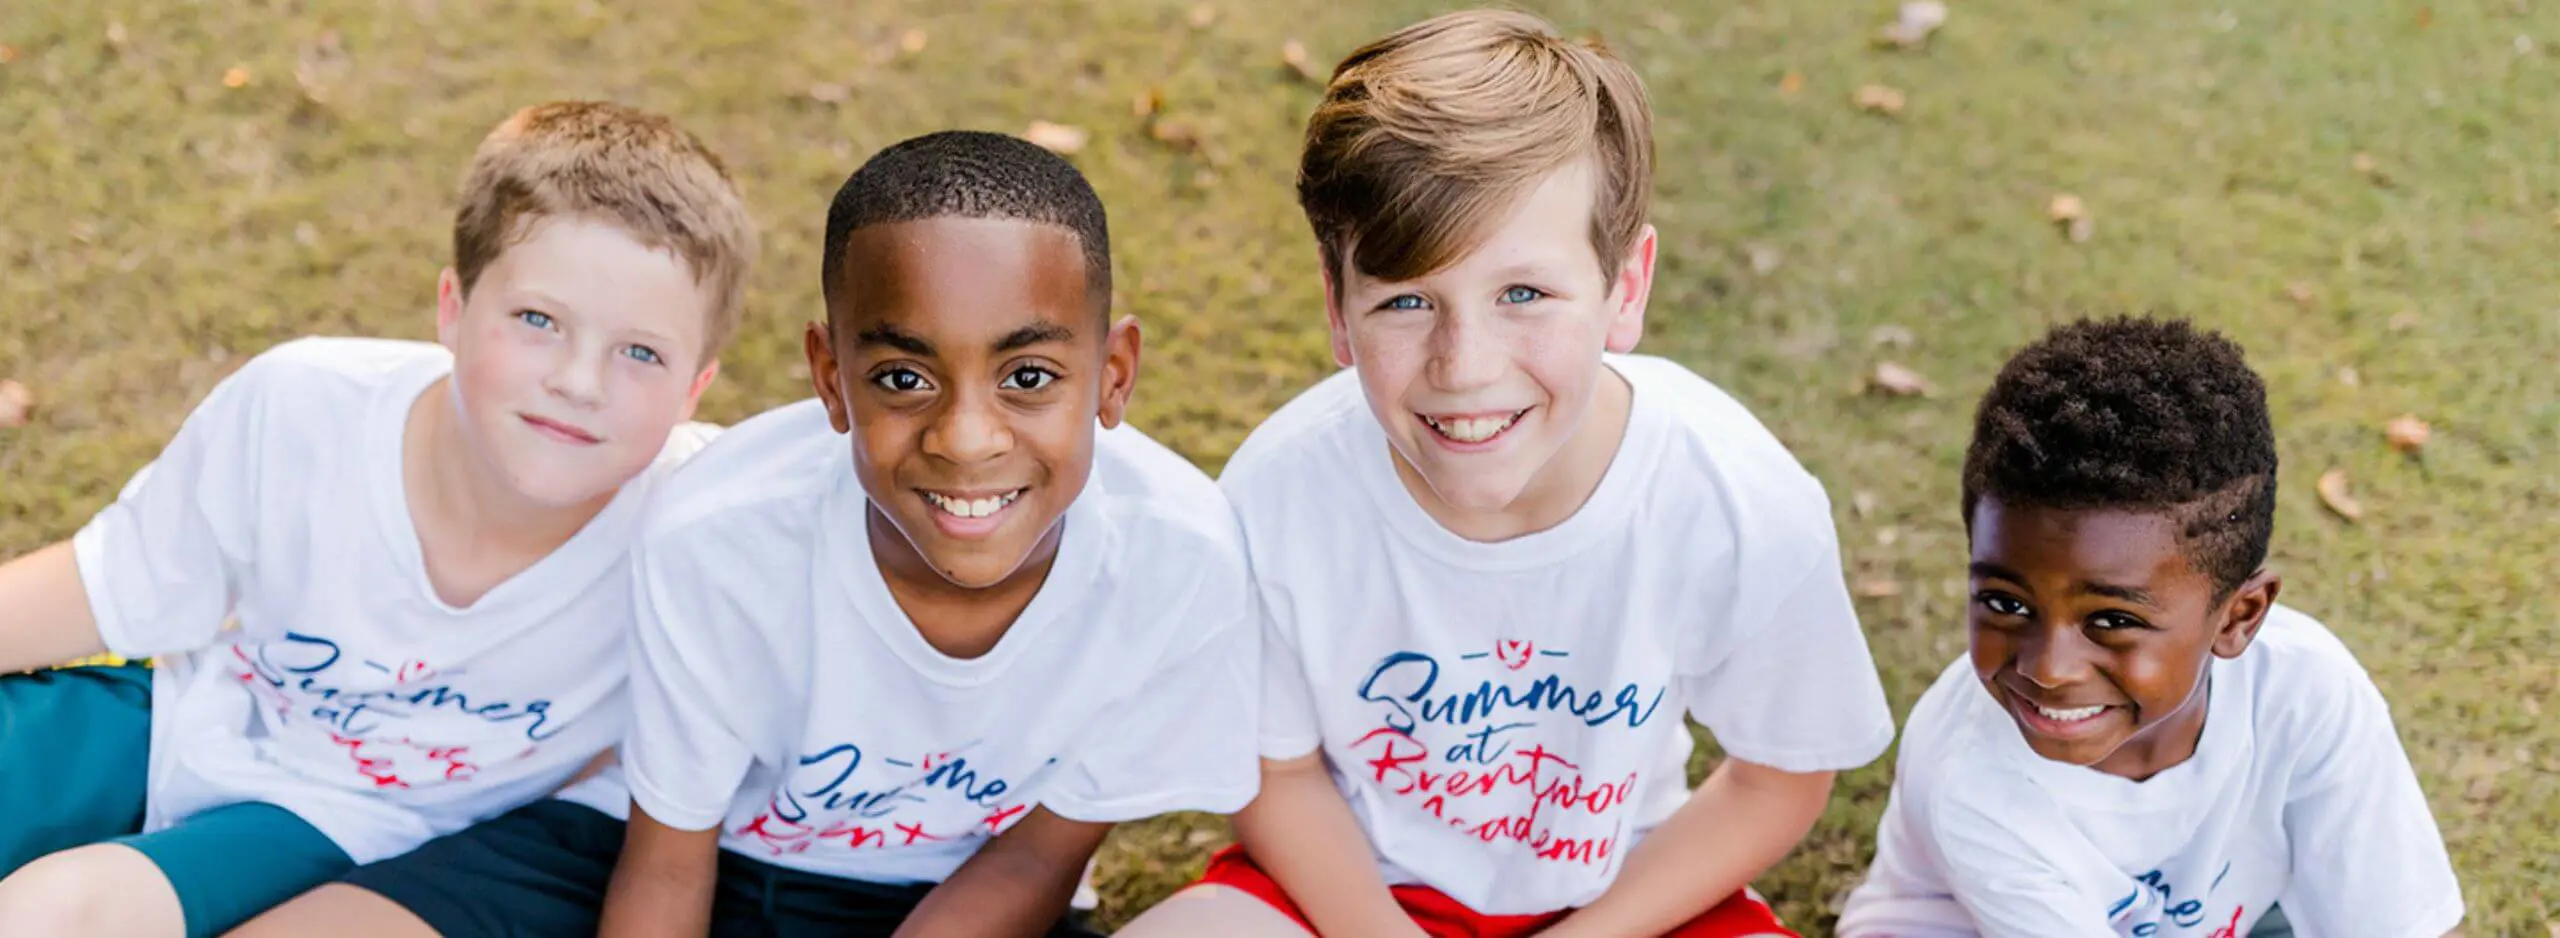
(1513, 654)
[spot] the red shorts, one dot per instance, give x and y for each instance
(1443, 917)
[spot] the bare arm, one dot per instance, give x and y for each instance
(1733, 828)
(662, 886)
(1018, 884)
(1301, 832)
(44, 611)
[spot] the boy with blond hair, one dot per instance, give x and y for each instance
(386, 581)
(1501, 558)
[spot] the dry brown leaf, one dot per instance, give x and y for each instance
(237, 77)
(2300, 293)
(8, 54)
(1175, 134)
(1878, 588)
(16, 403)
(1878, 99)
(2350, 377)
(2333, 493)
(1912, 26)
(912, 41)
(2403, 321)
(1764, 259)
(1864, 503)
(2065, 207)
(2371, 169)
(321, 65)
(1294, 55)
(1062, 139)
(1894, 380)
(117, 35)
(2407, 433)
(827, 92)
(1203, 15)
(1887, 535)
(1891, 336)
(1791, 83)
(1146, 103)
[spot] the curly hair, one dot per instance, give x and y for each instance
(2139, 414)
(970, 174)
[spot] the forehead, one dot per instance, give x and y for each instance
(2102, 545)
(949, 272)
(598, 270)
(1546, 229)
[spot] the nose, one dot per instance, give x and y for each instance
(1465, 352)
(576, 377)
(2054, 658)
(971, 429)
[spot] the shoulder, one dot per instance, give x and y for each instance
(1946, 731)
(1166, 509)
(1718, 440)
(1310, 432)
(2306, 688)
(335, 372)
(755, 485)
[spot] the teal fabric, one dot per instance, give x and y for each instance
(75, 748)
(233, 862)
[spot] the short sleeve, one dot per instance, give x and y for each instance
(2018, 867)
(2360, 827)
(1289, 723)
(1183, 739)
(163, 565)
(1798, 691)
(695, 692)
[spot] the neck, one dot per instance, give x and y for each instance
(450, 481)
(959, 621)
(1560, 488)
(2171, 743)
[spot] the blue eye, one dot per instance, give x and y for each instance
(534, 318)
(642, 354)
(1518, 295)
(1029, 378)
(899, 380)
(1403, 301)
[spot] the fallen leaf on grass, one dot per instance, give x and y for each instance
(1878, 99)
(827, 92)
(2371, 169)
(912, 41)
(1895, 380)
(2071, 215)
(1911, 28)
(2350, 377)
(16, 403)
(1175, 134)
(1891, 336)
(1877, 589)
(8, 54)
(1764, 259)
(1203, 15)
(2333, 493)
(1864, 503)
(1061, 139)
(117, 35)
(2300, 293)
(1294, 55)
(1791, 83)
(2407, 433)
(1146, 103)
(237, 77)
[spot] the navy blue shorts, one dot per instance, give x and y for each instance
(542, 869)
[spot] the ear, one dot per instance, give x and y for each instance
(1633, 286)
(820, 346)
(1120, 349)
(2244, 612)
(701, 383)
(1333, 318)
(448, 306)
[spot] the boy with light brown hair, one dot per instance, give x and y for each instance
(385, 581)
(1501, 558)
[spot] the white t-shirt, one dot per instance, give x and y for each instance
(1505, 718)
(349, 693)
(782, 694)
(2298, 794)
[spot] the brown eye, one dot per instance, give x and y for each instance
(1029, 378)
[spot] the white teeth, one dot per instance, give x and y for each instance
(2073, 715)
(972, 507)
(1473, 429)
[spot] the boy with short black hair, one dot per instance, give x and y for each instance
(907, 651)
(1502, 559)
(2142, 742)
(419, 550)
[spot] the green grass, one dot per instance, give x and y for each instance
(156, 228)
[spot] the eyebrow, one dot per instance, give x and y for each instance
(2126, 593)
(895, 338)
(1031, 335)
(1983, 569)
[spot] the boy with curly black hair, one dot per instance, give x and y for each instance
(2142, 742)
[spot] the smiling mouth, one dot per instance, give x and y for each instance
(961, 506)
(560, 431)
(2056, 721)
(1473, 428)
